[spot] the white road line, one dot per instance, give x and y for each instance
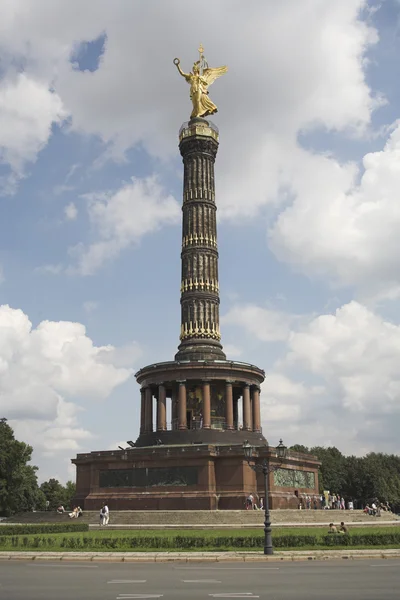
(128, 581)
(396, 565)
(226, 568)
(200, 581)
(238, 595)
(58, 564)
(127, 596)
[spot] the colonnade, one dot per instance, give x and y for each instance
(250, 409)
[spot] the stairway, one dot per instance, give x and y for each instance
(204, 518)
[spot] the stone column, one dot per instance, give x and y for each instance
(206, 405)
(161, 409)
(247, 420)
(182, 416)
(256, 409)
(236, 412)
(148, 399)
(229, 405)
(142, 411)
(174, 408)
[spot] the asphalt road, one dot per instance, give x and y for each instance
(332, 580)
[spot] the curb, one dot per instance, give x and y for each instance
(198, 556)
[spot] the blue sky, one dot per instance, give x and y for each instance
(307, 177)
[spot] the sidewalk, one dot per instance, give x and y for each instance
(352, 525)
(201, 556)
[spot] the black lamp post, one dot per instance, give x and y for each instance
(266, 468)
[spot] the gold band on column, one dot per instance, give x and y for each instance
(206, 405)
(182, 416)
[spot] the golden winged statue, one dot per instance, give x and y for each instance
(199, 79)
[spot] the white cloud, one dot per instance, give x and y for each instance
(42, 371)
(300, 66)
(122, 218)
(28, 110)
(338, 382)
(342, 227)
(267, 325)
(70, 212)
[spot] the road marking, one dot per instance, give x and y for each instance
(238, 595)
(126, 596)
(227, 568)
(128, 581)
(58, 564)
(200, 581)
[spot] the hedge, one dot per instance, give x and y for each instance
(189, 543)
(43, 528)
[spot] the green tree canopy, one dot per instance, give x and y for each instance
(18, 479)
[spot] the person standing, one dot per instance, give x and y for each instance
(101, 516)
(106, 514)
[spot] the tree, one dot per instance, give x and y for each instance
(54, 493)
(18, 480)
(69, 493)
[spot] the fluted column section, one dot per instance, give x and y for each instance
(206, 405)
(200, 334)
(182, 416)
(161, 409)
(247, 421)
(229, 405)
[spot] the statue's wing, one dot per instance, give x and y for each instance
(210, 75)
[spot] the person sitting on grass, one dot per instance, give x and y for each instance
(332, 528)
(343, 528)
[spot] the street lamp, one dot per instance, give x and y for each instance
(266, 468)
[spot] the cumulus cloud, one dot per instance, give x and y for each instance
(44, 369)
(300, 66)
(265, 324)
(28, 110)
(70, 212)
(122, 218)
(337, 382)
(347, 230)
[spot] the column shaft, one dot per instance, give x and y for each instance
(256, 410)
(148, 410)
(247, 420)
(206, 406)
(161, 409)
(229, 405)
(182, 416)
(142, 411)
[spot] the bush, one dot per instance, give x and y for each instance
(363, 539)
(43, 528)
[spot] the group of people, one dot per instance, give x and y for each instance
(76, 511)
(376, 508)
(342, 529)
(251, 503)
